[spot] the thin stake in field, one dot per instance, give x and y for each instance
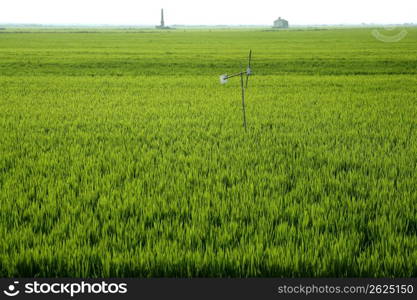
(224, 78)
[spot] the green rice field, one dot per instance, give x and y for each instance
(121, 155)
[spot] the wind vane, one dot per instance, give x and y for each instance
(224, 78)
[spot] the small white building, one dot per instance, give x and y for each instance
(280, 23)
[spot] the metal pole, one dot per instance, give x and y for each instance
(243, 100)
(248, 70)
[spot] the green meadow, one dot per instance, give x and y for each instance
(121, 155)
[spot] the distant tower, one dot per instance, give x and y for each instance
(162, 18)
(162, 25)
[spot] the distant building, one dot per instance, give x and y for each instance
(280, 23)
(162, 26)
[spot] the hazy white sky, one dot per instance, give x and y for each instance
(210, 12)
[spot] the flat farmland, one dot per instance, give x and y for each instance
(121, 155)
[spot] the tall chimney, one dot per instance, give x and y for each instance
(162, 18)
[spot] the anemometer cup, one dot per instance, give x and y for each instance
(223, 79)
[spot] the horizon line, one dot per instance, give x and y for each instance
(198, 25)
